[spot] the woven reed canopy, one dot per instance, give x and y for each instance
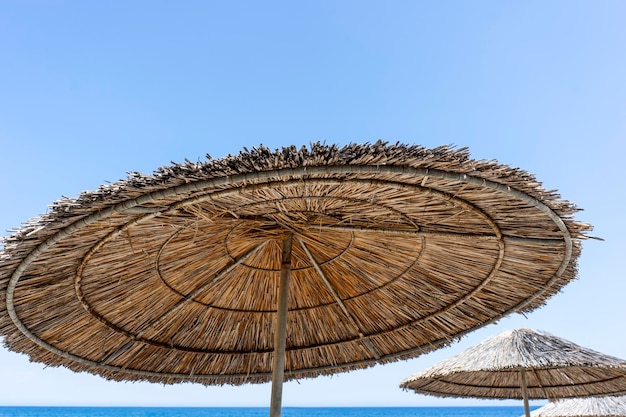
(584, 407)
(385, 252)
(523, 364)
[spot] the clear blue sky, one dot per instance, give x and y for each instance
(92, 89)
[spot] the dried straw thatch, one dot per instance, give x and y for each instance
(395, 251)
(584, 407)
(523, 364)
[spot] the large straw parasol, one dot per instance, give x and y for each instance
(285, 264)
(523, 364)
(584, 407)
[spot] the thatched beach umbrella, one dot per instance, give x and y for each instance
(523, 364)
(286, 264)
(584, 407)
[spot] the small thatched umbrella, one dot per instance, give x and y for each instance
(584, 407)
(283, 264)
(523, 364)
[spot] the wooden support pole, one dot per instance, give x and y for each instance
(280, 335)
(525, 392)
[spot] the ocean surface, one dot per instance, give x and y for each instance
(262, 412)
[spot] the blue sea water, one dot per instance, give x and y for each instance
(261, 412)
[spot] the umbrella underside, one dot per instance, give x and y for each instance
(566, 382)
(178, 280)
